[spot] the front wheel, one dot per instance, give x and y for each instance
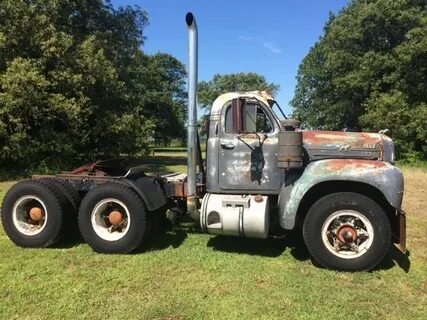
(347, 231)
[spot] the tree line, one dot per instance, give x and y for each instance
(75, 84)
(369, 72)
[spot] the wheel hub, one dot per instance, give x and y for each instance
(29, 215)
(36, 214)
(110, 219)
(115, 217)
(347, 234)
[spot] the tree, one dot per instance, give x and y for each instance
(208, 91)
(75, 85)
(369, 72)
(158, 93)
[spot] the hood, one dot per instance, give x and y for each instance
(352, 145)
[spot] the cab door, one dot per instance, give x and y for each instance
(248, 148)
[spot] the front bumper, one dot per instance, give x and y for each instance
(399, 236)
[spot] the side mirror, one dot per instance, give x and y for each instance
(237, 114)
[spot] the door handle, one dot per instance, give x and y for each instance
(227, 144)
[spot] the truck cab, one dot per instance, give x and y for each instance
(264, 173)
(243, 137)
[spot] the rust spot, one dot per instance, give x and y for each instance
(258, 198)
(178, 189)
(111, 167)
(355, 139)
(347, 234)
(36, 213)
(115, 217)
(265, 94)
(340, 164)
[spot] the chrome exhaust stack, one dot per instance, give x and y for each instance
(192, 199)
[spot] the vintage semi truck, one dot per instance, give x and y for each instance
(262, 173)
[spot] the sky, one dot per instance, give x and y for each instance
(270, 37)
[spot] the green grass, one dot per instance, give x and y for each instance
(169, 149)
(417, 164)
(162, 162)
(183, 274)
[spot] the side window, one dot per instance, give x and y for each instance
(255, 119)
(263, 123)
(228, 120)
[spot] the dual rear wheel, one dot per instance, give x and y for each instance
(36, 213)
(111, 217)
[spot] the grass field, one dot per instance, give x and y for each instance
(183, 274)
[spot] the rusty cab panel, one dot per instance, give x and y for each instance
(248, 135)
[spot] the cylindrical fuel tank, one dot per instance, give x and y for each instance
(235, 215)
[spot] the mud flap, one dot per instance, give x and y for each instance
(400, 231)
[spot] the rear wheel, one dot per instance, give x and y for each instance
(347, 231)
(70, 201)
(32, 214)
(112, 219)
(69, 192)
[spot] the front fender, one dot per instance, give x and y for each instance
(383, 176)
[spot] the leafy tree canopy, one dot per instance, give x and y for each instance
(369, 72)
(208, 91)
(75, 85)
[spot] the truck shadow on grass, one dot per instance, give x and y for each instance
(174, 236)
(294, 242)
(165, 238)
(271, 247)
(395, 257)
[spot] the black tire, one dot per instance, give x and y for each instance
(70, 193)
(361, 205)
(69, 199)
(54, 214)
(137, 229)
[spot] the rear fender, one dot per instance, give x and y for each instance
(150, 192)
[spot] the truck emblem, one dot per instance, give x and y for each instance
(369, 146)
(345, 147)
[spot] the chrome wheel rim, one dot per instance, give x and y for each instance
(22, 219)
(101, 219)
(347, 234)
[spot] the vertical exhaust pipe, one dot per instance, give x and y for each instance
(192, 200)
